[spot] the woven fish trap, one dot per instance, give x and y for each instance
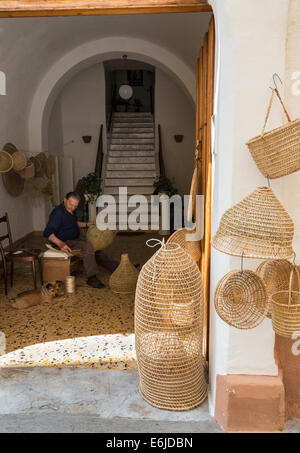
(6, 161)
(241, 299)
(181, 237)
(168, 330)
(277, 152)
(286, 309)
(276, 276)
(257, 227)
(123, 280)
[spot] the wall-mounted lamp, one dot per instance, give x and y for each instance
(86, 138)
(178, 138)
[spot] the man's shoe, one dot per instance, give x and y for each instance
(95, 282)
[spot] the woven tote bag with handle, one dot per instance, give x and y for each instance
(286, 310)
(277, 152)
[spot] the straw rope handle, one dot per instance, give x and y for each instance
(269, 108)
(293, 272)
(193, 192)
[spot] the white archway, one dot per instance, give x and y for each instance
(91, 53)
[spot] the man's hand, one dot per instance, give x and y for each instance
(65, 248)
(91, 223)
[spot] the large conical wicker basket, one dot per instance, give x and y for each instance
(168, 330)
(123, 280)
(241, 299)
(286, 310)
(257, 227)
(276, 276)
(277, 152)
(181, 237)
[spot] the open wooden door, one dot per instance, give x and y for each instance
(204, 112)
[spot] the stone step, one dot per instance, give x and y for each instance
(130, 166)
(133, 120)
(125, 182)
(131, 174)
(130, 160)
(132, 114)
(121, 202)
(131, 135)
(132, 141)
(132, 130)
(132, 153)
(132, 125)
(132, 147)
(131, 190)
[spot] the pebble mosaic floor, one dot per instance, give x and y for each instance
(92, 328)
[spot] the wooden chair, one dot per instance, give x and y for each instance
(11, 257)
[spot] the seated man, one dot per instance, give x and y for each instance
(63, 231)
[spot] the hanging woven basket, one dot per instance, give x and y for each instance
(41, 157)
(257, 227)
(6, 161)
(286, 309)
(123, 280)
(50, 166)
(241, 299)
(181, 237)
(168, 330)
(276, 276)
(13, 183)
(277, 152)
(37, 167)
(100, 239)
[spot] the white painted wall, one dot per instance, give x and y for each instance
(175, 112)
(247, 58)
(79, 110)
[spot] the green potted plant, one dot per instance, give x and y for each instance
(92, 189)
(162, 184)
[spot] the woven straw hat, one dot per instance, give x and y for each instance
(50, 166)
(13, 183)
(19, 161)
(123, 279)
(6, 161)
(43, 161)
(241, 299)
(191, 247)
(29, 171)
(10, 148)
(257, 227)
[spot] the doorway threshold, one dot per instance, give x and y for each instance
(112, 351)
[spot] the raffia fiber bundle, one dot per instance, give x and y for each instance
(276, 276)
(180, 237)
(241, 299)
(123, 280)
(168, 330)
(286, 309)
(277, 152)
(257, 227)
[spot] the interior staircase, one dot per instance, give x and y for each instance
(130, 161)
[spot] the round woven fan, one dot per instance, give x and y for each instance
(257, 227)
(13, 183)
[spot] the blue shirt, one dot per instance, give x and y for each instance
(63, 224)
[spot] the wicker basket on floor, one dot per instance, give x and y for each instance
(286, 310)
(276, 276)
(241, 299)
(168, 330)
(257, 227)
(100, 239)
(277, 153)
(123, 279)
